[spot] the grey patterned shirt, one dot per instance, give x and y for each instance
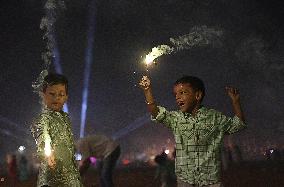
(56, 126)
(198, 142)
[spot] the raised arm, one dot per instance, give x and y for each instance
(235, 98)
(145, 85)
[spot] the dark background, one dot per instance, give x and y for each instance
(251, 58)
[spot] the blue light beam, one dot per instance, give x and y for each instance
(6, 121)
(57, 63)
(139, 122)
(87, 70)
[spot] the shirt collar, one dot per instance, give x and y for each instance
(45, 109)
(200, 111)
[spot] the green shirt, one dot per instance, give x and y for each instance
(198, 142)
(56, 127)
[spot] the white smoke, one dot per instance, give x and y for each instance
(47, 24)
(198, 36)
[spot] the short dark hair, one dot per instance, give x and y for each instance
(53, 79)
(195, 82)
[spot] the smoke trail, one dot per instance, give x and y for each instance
(51, 53)
(47, 24)
(198, 36)
(57, 65)
(255, 54)
(87, 71)
(131, 127)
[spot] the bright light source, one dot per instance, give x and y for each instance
(78, 156)
(149, 59)
(167, 151)
(47, 146)
(21, 148)
(271, 150)
(93, 160)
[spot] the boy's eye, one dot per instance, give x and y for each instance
(54, 94)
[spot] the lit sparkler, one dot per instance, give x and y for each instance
(199, 36)
(156, 52)
(47, 146)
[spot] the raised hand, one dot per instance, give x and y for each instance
(233, 93)
(51, 161)
(145, 83)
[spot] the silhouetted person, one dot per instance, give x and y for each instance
(103, 148)
(236, 154)
(23, 169)
(12, 169)
(226, 157)
(165, 170)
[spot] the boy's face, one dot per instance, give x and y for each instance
(186, 97)
(55, 96)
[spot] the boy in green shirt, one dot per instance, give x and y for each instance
(198, 131)
(52, 133)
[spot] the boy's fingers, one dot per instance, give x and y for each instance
(232, 90)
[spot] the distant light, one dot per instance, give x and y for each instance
(125, 161)
(21, 148)
(167, 151)
(2, 179)
(93, 160)
(271, 151)
(78, 156)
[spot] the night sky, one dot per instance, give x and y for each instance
(251, 58)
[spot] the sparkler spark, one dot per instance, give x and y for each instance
(156, 52)
(47, 146)
(199, 36)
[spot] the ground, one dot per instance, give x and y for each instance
(246, 174)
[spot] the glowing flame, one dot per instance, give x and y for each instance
(156, 52)
(149, 59)
(47, 146)
(167, 151)
(199, 36)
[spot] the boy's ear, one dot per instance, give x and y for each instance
(198, 95)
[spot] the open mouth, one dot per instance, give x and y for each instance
(180, 103)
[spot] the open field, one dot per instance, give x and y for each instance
(247, 174)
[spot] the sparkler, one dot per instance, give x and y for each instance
(156, 52)
(87, 70)
(47, 146)
(199, 36)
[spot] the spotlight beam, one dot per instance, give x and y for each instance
(87, 70)
(8, 133)
(11, 123)
(57, 63)
(139, 122)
